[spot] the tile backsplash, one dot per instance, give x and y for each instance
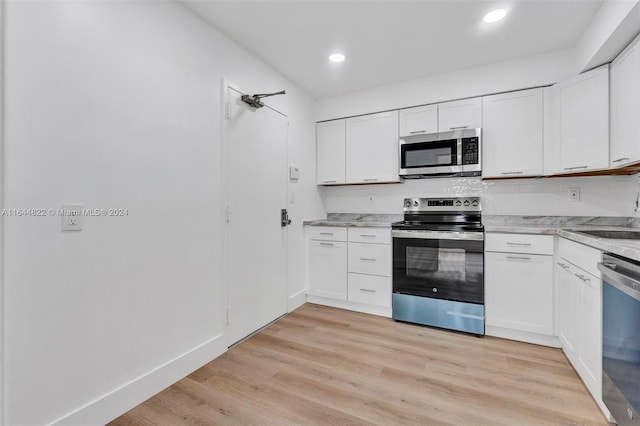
(599, 195)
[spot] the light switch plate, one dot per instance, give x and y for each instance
(294, 173)
(574, 194)
(72, 217)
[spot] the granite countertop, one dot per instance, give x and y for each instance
(356, 220)
(570, 229)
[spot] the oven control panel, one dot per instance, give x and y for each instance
(442, 204)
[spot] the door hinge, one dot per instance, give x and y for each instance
(228, 315)
(227, 110)
(228, 214)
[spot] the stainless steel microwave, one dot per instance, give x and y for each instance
(452, 153)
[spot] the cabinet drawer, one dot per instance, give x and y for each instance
(369, 235)
(372, 259)
(369, 289)
(327, 233)
(519, 243)
(582, 256)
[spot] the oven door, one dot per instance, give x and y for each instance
(441, 265)
(430, 157)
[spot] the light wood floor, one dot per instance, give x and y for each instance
(320, 365)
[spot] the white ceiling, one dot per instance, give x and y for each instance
(394, 40)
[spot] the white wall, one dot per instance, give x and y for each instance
(517, 74)
(600, 195)
(117, 105)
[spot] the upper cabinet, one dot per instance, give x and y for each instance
(372, 148)
(512, 134)
(466, 113)
(583, 127)
(625, 106)
(330, 152)
(419, 120)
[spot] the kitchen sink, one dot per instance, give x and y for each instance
(616, 235)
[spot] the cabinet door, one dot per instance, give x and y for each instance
(466, 113)
(625, 106)
(519, 291)
(512, 134)
(372, 148)
(330, 152)
(419, 120)
(328, 269)
(584, 121)
(590, 326)
(569, 294)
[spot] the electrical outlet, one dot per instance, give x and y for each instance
(72, 217)
(371, 199)
(574, 194)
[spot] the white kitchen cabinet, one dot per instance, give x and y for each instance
(625, 106)
(350, 268)
(512, 134)
(519, 290)
(330, 152)
(418, 120)
(580, 303)
(463, 114)
(327, 265)
(372, 148)
(583, 105)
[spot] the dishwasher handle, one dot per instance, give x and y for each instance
(624, 283)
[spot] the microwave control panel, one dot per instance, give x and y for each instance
(470, 150)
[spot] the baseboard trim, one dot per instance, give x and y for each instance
(523, 336)
(351, 306)
(124, 398)
(297, 300)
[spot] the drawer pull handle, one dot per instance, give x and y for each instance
(367, 235)
(367, 290)
(370, 180)
(620, 159)
(417, 131)
(366, 259)
(518, 258)
(583, 278)
(575, 168)
(329, 181)
(563, 266)
(512, 173)
(326, 244)
(459, 127)
(519, 244)
(326, 233)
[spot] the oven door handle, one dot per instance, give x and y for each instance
(622, 282)
(439, 235)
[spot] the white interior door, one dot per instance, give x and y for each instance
(256, 192)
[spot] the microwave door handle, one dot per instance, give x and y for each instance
(459, 152)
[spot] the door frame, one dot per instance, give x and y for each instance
(225, 111)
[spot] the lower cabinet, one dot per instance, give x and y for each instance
(580, 308)
(519, 289)
(328, 269)
(352, 272)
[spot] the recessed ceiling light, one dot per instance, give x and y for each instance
(336, 57)
(495, 15)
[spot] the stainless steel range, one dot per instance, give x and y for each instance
(438, 264)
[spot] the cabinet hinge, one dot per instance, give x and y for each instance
(228, 315)
(227, 110)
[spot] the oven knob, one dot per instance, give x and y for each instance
(407, 203)
(466, 203)
(458, 203)
(435, 289)
(416, 203)
(474, 203)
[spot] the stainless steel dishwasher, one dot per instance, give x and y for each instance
(621, 338)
